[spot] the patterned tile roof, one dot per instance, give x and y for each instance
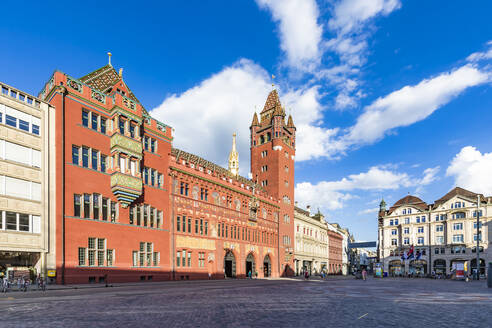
(271, 101)
(104, 78)
(198, 161)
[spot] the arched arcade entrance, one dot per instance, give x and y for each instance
(250, 265)
(229, 265)
(473, 265)
(267, 266)
(440, 266)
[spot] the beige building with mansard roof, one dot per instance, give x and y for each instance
(444, 234)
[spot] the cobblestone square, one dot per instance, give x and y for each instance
(337, 302)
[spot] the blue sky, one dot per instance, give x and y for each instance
(390, 97)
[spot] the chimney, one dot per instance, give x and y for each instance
(308, 209)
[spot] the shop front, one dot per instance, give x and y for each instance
(15, 265)
(417, 268)
(396, 268)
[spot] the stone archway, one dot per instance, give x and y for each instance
(267, 266)
(229, 265)
(250, 265)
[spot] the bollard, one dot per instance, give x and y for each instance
(489, 276)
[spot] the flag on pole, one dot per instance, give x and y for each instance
(410, 253)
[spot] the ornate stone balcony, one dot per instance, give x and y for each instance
(126, 187)
(127, 145)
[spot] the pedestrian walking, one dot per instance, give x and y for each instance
(364, 274)
(5, 285)
(306, 275)
(25, 283)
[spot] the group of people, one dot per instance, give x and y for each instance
(23, 284)
(362, 274)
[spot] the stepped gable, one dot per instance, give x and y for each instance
(198, 161)
(271, 101)
(411, 201)
(458, 191)
(104, 78)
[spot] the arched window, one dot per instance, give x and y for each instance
(262, 139)
(269, 136)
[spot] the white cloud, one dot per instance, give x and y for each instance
(479, 56)
(333, 194)
(369, 211)
(349, 15)
(411, 104)
(300, 33)
(320, 195)
(349, 25)
(205, 116)
(430, 175)
(471, 170)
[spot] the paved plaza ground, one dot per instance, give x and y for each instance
(337, 302)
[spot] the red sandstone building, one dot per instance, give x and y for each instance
(131, 207)
(334, 252)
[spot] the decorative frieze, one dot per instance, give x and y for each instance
(98, 96)
(75, 85)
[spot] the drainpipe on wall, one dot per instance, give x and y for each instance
(173, 251)
(278, 245)
(429, 266)
(63, 92)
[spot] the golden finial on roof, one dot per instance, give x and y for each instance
(121, 72)
(273, 78)
(109, 58)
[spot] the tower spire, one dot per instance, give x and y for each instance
(234, 158)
